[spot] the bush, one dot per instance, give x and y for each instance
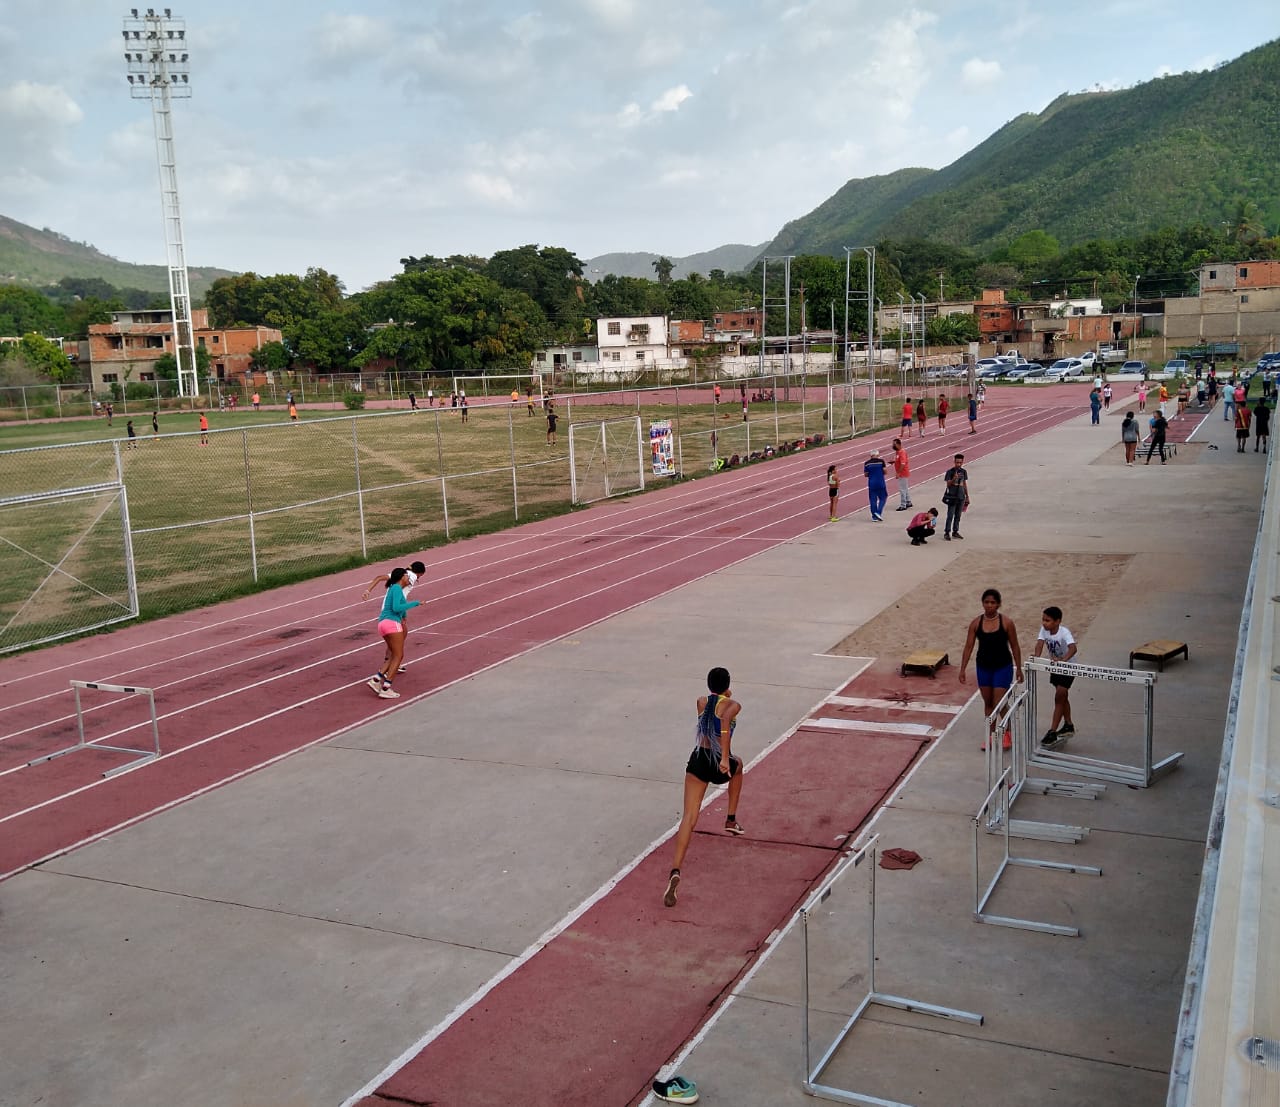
(353, 401)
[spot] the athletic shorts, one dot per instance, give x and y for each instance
(707, 769)
(389, 626)
(994, 678)
(833, 492)
(906, 423)
(1060, 681)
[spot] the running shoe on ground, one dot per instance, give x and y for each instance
(1051, 738)
(673, 882)
(1066, 730)
(388, 693)
(676, 1090)
(375, 682)
(403, 669)
(732, 826)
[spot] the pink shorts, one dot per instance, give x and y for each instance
(389, 626)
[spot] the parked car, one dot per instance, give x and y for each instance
(1066, 368)
(1269, 361)
(1134, 367)
(1025, 372)
(989, 368)
(1177, 365)
(1088, 358)
(1112, 355)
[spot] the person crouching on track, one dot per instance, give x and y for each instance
(710, 763)
(921, 527)
(391, 627)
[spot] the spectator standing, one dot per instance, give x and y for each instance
(204, 429)
(1159, 427)
(943, 408)
(552, 418)
(1095, 407)
(462, 404)
(908, 410)
(902, 470)
(1106, 396)
(1243, 416)
(1142, 395)
(973, 414)
(877, 490)
(155, 424)
(132, 444)
(1261, 425)
(1129, 436)
(1228, 401)
(955, 495)
(257, 402)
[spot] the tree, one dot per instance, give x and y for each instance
(663, 266)
(1033, 248)
(23, 311)
(167, 365)
(270, 357)
(955, 329)
(37, 354)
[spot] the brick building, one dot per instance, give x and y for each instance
(127, 348)
(730, 325)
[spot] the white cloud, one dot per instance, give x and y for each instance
(976, 73)
(345, 38)
(42, 105)
(491, 188)
(671, 99)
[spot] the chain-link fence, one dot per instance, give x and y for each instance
(217, 514)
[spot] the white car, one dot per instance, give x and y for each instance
(1065, 368)
(1087, 358)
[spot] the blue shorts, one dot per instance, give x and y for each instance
(994, 678)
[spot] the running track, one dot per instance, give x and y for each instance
(247, 683)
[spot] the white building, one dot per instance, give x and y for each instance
(1060, 309)
(631, 340)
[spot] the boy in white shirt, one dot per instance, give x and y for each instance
(1062, 647)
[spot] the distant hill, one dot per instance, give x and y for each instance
(1170, 152)
(731, 259)
(43, 257)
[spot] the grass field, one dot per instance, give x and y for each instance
(267, 501)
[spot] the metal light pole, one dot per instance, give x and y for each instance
(924, 342)
(870, 251)
(156, 56)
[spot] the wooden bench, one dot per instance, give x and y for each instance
(925, 663)
(1159, 650)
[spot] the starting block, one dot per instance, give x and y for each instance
(924, 663)
(1159, 650)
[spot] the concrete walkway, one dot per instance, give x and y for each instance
(284, 939)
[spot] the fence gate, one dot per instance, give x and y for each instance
(66, 564)
(606, 459)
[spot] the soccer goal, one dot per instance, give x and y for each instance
(66, 564)
(605, 459)
(840, 413)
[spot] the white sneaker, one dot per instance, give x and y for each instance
(388, 693)
(375, 682)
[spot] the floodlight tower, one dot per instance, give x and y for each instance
(155, 45)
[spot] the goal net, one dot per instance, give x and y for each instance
(606, 459)
(66, 564)
(840, 411)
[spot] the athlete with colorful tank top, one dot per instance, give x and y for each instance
(710, 763)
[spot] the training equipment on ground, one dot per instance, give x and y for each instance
(1159, 650)
(924, 663)
(140, 756)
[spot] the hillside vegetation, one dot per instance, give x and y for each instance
(38, 258)
(1171, 152)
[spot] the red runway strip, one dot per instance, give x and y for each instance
(247, 682)
(593, 1015)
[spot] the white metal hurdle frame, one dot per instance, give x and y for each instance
(140, 756)
(1142, 775)
(998, 798)
(1011, 715)
(813, 1073)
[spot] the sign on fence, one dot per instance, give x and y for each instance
(662, 449)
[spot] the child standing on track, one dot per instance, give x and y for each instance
(833, 490)
(921, 415)
(416, 570)
(1061, 645)
(710, 763)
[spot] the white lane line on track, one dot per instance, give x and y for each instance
(782, 481)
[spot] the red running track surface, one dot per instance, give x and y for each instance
(245, 683)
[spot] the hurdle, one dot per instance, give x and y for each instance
(1142, 775)
(1012, 716)
(141, 756)
(998, 797)
(812, 1084)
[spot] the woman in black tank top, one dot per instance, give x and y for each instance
(999, 662)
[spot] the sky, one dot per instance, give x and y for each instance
(348, 137)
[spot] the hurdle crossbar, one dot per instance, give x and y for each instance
(140, 756)
(1141, 775)
(812, 1084)
(999, 797)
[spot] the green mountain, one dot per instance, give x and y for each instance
(732, 259)
(43, 257)
(1171, 152)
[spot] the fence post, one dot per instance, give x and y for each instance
(248, 499)
(444, 484)
(355, 453)
(777, 429)
(26, 413)
(511, 438)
